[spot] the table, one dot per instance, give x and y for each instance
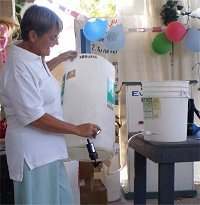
(166, 154)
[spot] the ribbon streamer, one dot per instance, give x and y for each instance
(66, 10)
(153, 29)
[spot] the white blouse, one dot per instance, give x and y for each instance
(28, 91)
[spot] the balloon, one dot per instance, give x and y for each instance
(175, 31)
(115, 38)
(160, 44)
(192, 40)
(94, 29)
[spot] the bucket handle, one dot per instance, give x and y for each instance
(185, 94)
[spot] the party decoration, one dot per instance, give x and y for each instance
(195, 13)
(65, 9)
(5, 34)
(170, 11)
(150, 29)
(115, 38)
(160, 44)
(175, 31)
(192, 40)
(95, 28)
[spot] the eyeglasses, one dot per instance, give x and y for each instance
(54, 38)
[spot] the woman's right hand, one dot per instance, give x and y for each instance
(88, 130)
(52, 124)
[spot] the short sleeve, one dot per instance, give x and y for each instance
(24, 95)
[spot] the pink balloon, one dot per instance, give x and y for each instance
(175, 31)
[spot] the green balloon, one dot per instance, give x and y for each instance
(161, 44)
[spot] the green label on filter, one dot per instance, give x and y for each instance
(110, 93)
(63, 89)
(151, 107)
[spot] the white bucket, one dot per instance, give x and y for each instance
(88, 96)
(112, 181)
(165, 105)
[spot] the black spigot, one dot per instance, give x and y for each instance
(92, 152)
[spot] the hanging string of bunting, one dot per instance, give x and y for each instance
(66, 10)
(153, 29)
(114, 37)
(76, 14)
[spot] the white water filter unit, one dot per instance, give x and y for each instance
(88, 96)
(165, 106)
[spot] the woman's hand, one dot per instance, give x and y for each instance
(52, 124)
(67, 55)
(88, 130)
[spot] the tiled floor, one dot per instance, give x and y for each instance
(183, 200)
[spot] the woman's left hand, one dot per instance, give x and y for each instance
(67, 55)
(61, 58)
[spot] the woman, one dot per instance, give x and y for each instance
(35, 143)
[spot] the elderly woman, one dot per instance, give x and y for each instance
(35, 142)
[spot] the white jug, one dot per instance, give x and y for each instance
(88, 96)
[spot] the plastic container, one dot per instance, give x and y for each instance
(88, 96)
(112, 181)
(165, 105)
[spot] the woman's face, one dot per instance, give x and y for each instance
(45, 42)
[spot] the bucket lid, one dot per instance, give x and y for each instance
(167, 83)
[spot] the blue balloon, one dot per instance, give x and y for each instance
(115, 38)
(94, 29)
(192, 40)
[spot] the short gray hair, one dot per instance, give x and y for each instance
(40, 19)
